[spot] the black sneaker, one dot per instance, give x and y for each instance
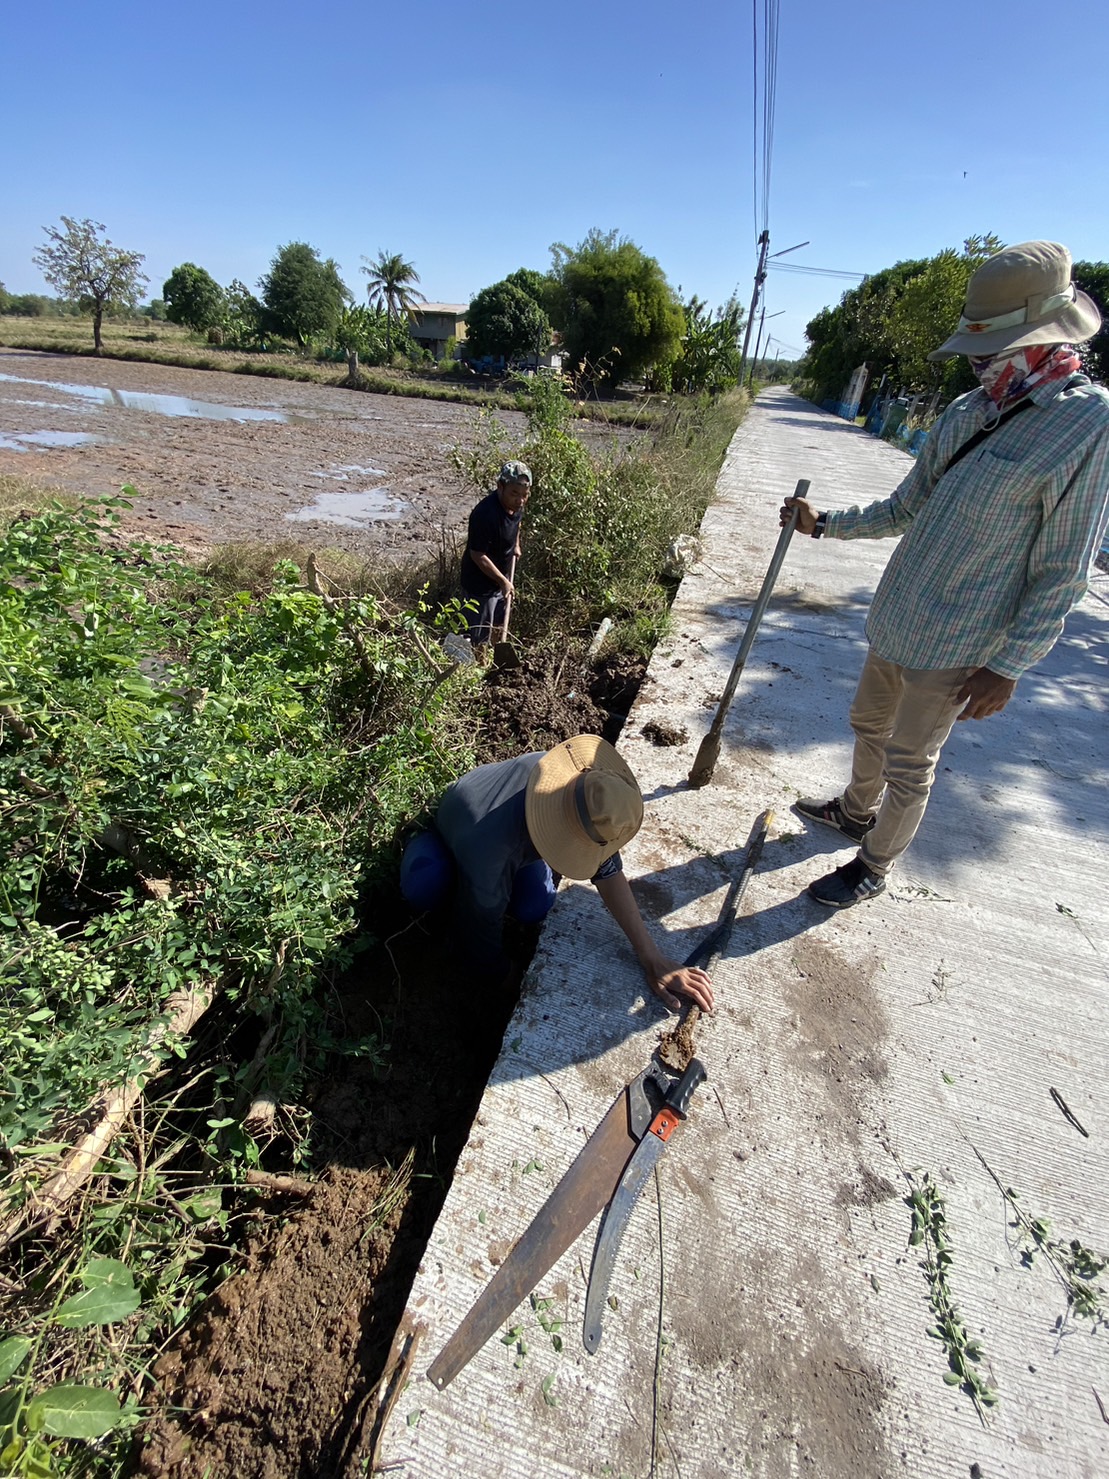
(851, 883)
(832, 814)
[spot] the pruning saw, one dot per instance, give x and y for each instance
(611, 1167)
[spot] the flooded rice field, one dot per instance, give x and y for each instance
(215, 457)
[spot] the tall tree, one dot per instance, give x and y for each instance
(1093, 278)
(390, 286)
(504, 320)
(244, 317)
(303, 294)
(893, 320)
(193, 297)
(82, 264)
(927, 313)
(617, 313)
(537, 285)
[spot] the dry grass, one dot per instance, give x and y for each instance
(21, 495)
(249, 565)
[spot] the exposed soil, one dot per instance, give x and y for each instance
(202, 478)
(283, 1373)
(547, 699)
(276, 1377)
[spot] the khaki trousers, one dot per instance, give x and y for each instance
(901, 718)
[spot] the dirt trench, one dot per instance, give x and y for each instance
(277, 1377)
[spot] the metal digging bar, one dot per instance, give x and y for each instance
(709, 753)
(675, 1048)
(504, 654)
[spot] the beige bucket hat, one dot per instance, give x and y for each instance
(1021, 296)
(582, 805)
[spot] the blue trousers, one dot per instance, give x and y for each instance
(428, 871)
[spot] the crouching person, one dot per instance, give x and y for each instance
(504, 833)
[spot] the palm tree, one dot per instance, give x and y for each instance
(390, 288)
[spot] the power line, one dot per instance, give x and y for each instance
(819, 271)
(762, 128)
(754, 114)
(770, 96)
(762, 163)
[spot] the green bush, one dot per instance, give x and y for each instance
(597, 528)
(198, 785)
(243, 749)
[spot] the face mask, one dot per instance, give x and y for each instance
(1005, 376)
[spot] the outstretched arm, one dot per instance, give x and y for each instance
(669, 981)
(887, 516)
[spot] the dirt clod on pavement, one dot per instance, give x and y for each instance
(664, 734)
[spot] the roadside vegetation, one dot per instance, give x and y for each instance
(896, 317)
(205, 776)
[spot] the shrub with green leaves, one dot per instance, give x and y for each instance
(597, 527)
(196, 788)
(32, 1421)
(192, 793)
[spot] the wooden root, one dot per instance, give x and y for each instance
(271, 1181)
(184, 1010)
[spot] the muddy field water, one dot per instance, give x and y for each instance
(215, 457)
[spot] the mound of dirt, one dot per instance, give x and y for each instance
(531, 708)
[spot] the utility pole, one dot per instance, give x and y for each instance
(758, 343)
(760, 278)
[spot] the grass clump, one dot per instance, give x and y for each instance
(23, 495)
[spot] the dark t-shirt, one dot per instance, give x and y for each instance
(494, 533)
(483, 820)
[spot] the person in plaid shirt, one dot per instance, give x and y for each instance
(999, 520)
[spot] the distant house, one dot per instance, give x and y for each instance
(432, 324)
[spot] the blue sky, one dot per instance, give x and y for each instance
(471, 136)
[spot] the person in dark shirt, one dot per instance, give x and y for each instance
(504, 830)
(492, 549)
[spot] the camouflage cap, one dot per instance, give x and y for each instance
(515, 472)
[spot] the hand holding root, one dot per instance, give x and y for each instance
(674, 985)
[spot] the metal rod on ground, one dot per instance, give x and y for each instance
(709, 753)
(676, 1048)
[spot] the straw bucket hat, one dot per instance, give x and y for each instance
(1022, 296)
(582, 805)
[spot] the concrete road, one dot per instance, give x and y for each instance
(769, 1313)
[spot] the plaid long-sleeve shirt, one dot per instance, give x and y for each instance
(995, 552)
